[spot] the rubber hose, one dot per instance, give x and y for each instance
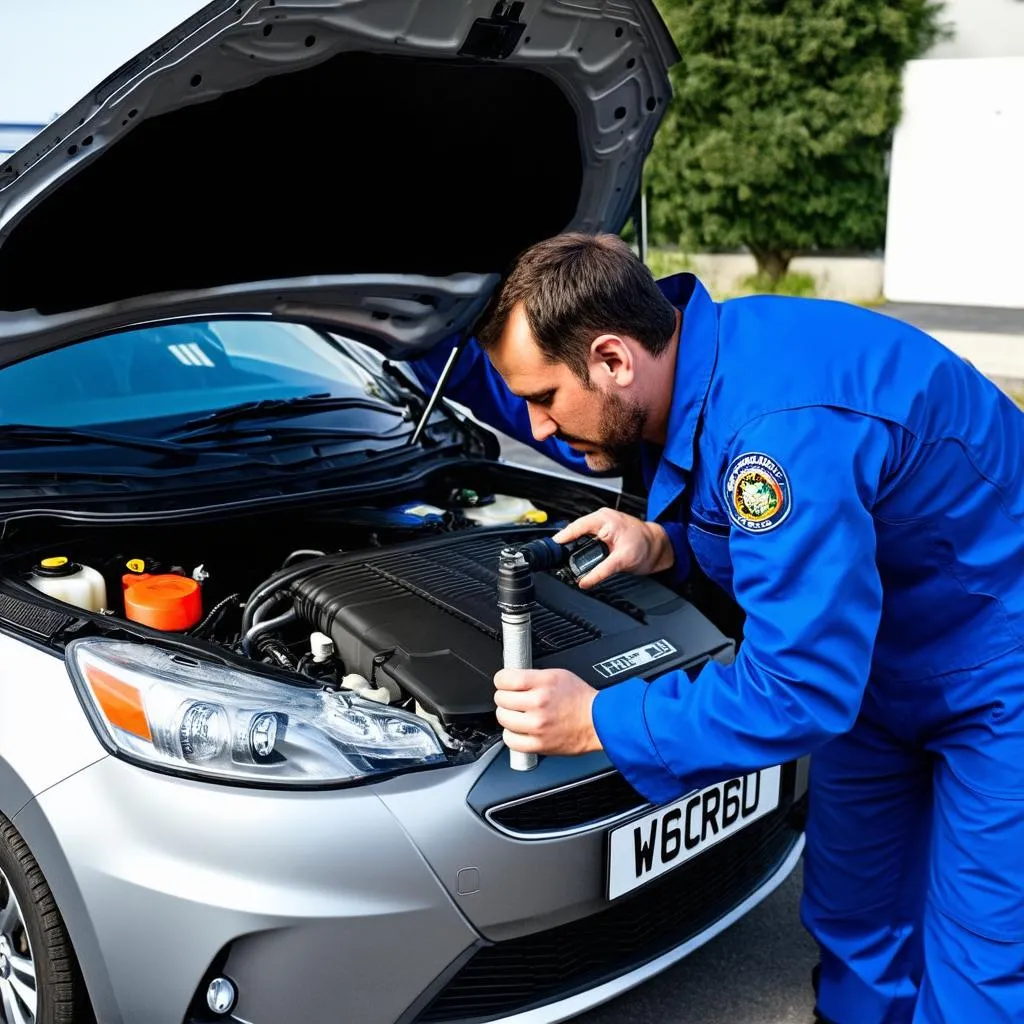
(259, 614)
(267, 626)
(302, 551)
(268, 589)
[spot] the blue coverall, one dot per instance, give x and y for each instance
(859, 490)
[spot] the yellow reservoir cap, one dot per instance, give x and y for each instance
(54, 563)
(135, 565)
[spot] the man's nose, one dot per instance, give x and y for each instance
(541, 424)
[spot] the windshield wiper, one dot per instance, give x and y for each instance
(27, 435)
(266, 408)
(292, 434)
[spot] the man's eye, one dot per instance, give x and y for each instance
(545, 399)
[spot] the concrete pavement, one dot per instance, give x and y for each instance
(973, 319)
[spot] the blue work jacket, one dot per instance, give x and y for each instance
(856, 487)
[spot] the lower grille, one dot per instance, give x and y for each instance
(516, 975)
(573, 807)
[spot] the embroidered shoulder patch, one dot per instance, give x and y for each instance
(756, 492)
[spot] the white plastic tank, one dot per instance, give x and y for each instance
(503, 510)
(80, 585)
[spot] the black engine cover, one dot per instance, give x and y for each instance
(425, 614)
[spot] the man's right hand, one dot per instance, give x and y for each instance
(633, 545)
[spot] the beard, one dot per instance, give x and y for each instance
(622, 432)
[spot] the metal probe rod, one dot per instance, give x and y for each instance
(515, 599)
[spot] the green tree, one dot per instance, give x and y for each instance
(778, 134)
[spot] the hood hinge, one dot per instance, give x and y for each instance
(496, 37)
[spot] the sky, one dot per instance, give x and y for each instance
(52, 52)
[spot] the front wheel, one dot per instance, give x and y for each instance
(39, 978)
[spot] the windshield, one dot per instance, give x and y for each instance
(143, 381)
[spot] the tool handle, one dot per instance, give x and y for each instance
(517, 652)
(520, 761)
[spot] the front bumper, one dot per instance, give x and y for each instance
(316, 904)
(550, 940)
(392, 903)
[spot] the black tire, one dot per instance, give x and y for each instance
(61, 996)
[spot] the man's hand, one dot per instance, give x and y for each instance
(633, 545)
(545, 711)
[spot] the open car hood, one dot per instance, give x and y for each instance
(368, 166)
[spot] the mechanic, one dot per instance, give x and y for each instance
(858, 489)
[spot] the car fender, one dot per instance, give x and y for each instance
(44, 734)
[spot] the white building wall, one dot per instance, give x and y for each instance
(984, 28)
(956, 194)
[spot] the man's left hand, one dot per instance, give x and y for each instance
(546, 711)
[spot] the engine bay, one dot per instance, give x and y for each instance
(396, 603)
(423, 619)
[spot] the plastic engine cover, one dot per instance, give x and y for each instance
(425, 614)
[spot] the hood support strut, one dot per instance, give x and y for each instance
(438, 392)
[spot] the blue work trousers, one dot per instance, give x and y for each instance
(914, 877)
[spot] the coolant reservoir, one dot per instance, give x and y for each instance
(503, 510)
(165, 601)
(80, 585)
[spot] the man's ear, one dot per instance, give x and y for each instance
(612, 357)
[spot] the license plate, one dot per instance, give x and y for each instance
(662, 840)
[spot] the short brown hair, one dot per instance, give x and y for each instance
(574, 287)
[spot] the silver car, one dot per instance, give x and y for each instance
(249, 764)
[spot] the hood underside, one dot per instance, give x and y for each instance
(371, 166)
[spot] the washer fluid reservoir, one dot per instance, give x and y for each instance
(80, 585)
(503, 510)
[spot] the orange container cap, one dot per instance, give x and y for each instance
(165, 602)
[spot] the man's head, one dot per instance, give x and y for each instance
(581, 331)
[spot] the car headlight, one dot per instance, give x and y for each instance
(180, 713)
